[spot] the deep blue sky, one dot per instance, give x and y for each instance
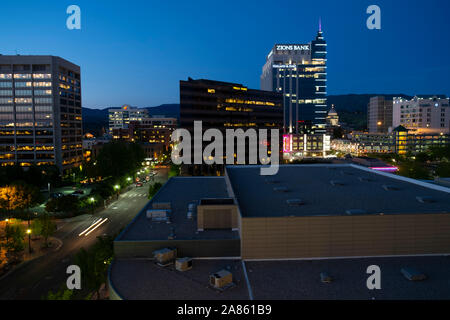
(135, 52)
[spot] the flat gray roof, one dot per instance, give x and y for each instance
(284, 280)
(179, 191)
(300, 280)
(328, 189)
(144, 280)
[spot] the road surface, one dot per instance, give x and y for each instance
(35, 279)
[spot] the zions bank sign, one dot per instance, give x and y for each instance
(292, 47)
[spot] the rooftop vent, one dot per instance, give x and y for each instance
(325, 277)
(221, 280)
(390, 187)
(426, 199)
(183, 264)
(412, 274)
(366, 179)
(295, 202)
(337, 183)
(354, 212)
(272, 181)
(280, 189)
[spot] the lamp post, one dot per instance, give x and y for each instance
(92, 201)
(6, 227)
(117, 188)
(29, 240)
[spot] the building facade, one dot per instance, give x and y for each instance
(224, 105)
(40, 111)
(299, 72)
(119, 118)
(379, 115)
(400, 141)
(154, 134)
(430, 115)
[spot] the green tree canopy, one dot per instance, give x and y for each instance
(119, 158)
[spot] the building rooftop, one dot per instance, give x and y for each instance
(326, 189)
(180, 192)
(284, 280)
(144, 280)
(300, 280)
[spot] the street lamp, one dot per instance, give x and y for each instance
(29, 240)
(6, 227)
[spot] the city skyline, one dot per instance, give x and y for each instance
(153, 46)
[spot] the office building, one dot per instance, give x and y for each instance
(154, 134)
(224, 105)
(261, 228)
(379, 115)
(119, 118)
(424, 115)
(40, 111)
(299, 72)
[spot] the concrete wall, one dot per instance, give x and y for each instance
(345, 236)
(185, 248)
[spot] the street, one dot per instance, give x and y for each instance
(35, 279)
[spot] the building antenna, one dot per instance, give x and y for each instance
(320, 24)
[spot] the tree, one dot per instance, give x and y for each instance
(44, 226)
(67, 204)
(15, 235)
(119, 158)
(174, 170)
(62, 294)
(443, 170)
(94, 263)
(153, 189)
(412, 169)
(19, 196)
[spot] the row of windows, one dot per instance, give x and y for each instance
(25, 92)
(42, 124)
(26, 116)
(26, 76)
(35, 84)
(26, 109)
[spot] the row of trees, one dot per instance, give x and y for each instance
(94, 263)
(425, 165)
(38, 176)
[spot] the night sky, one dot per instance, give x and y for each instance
(135, 52)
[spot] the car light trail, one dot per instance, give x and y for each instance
(98, 225)
(91, 226)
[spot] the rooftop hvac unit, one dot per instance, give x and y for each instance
(165, 256)
(158, 215)
(162, 205)
(183, 264)
(221, 280)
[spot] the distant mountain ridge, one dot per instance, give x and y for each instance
(352, 108)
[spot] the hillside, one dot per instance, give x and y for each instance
(352, 109)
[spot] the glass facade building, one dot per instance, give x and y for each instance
(40, 111)
(299, 71)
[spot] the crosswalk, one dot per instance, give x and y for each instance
(134, 195)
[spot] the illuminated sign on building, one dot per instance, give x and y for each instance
(287, 143)
(293, 47)
(284, 66)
